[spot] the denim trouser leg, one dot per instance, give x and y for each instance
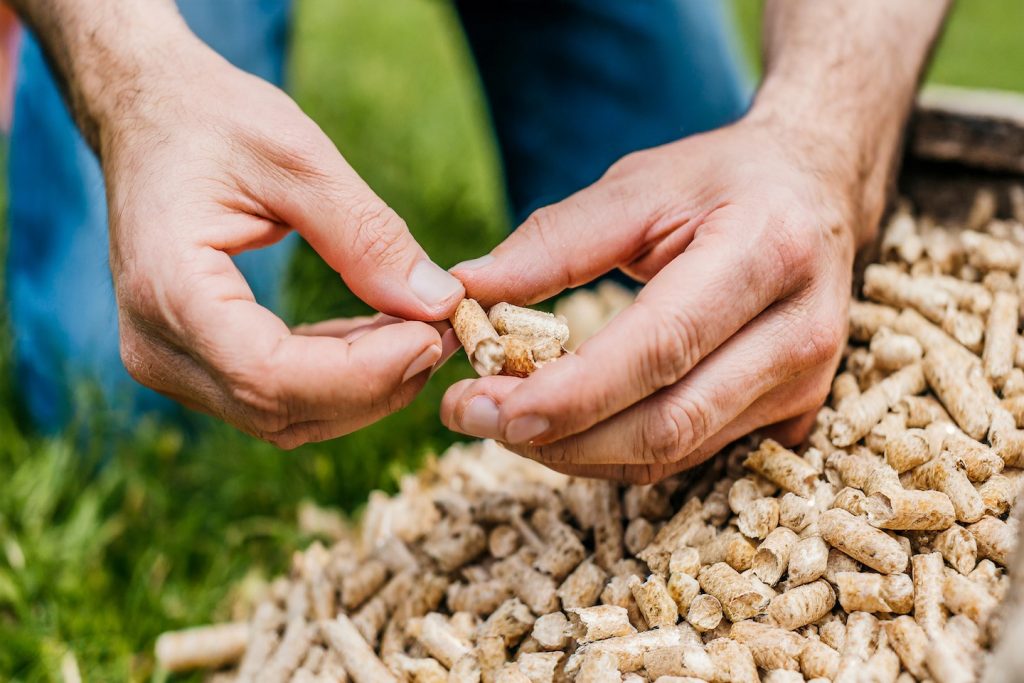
(61, 299)
(574, 85)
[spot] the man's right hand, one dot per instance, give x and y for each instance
(203, 161)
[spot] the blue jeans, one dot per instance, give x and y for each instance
(572, 84)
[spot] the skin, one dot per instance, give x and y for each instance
(745, 238)
(203, 161)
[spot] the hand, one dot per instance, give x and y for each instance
(745, 237)
(204, 162)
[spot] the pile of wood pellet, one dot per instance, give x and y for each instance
(876, 552)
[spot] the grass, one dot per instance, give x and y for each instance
(107, 540)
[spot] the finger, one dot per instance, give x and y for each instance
(278, 379)
(471, 406)
(363, 239)
(543, 256)
(450, 345)
(693, 305)
(678, 419)
(312, 431)
(348, 329)
(778, 404)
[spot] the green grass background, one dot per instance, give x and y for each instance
(106, 540)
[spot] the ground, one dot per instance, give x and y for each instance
(107, 539)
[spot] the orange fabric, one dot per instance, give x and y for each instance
(8, 59)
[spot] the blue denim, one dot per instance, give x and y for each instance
(573, 85)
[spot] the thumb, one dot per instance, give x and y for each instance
(369, 245)
(560, 246)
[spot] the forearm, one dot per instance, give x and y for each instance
(103, 51)
(842, 76)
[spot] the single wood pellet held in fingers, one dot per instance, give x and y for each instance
(878, 552)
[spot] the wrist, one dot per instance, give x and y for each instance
(852, 156)
(113, 57)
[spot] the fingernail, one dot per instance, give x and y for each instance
(473, 264)
(526, 428)
(449, 345)
(481, 418)
(422, 362)
(432, 284)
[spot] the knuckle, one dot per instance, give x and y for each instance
(540, 225)
(629, 164)
(794, 250)
(674, 348)
(379, 234)
(671, 429)
(822, 343)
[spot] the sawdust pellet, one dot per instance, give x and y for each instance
(590, 624)
(358, 658)
(629, 650)
(552, 631)
(929, 582)
(891, 286)
(907, 450)
(759, 518)
(860, 641)
(639, 534)
(740, 552)
(1001, 336)
(509, 319)
(773, 555)
(818, 660)
(510, 621)
(704, 613)
(678, 661)
(202, 647)
(869, 592)
(733, 661)
(910, 510)
(540, 667)
(583, 586)
(966, 597)
(958, 548)
(980, 461)
(893, 351)
(948, 475)
(771, 647)
(995, 539)
(782, 467)
(654, 601)
(909, 642)
(859, 415)
(988, 253)
(802, 605)
(438, 638)
(921, 411)
(864, 543)
(807, 561)
(797, 512)
(478, 336)
(739, 597)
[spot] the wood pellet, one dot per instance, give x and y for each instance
(509, 340)
(881, 550)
